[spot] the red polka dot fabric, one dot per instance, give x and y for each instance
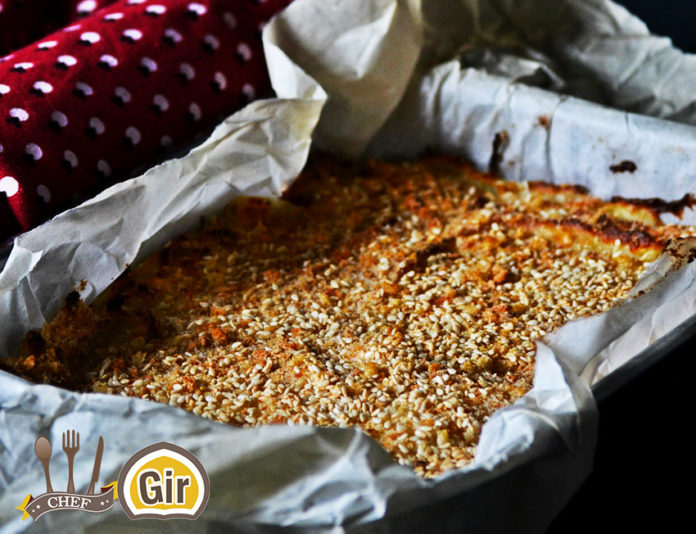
(114, 90)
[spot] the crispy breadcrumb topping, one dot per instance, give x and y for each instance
(404, 299)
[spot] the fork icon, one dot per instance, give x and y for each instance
(71, 444)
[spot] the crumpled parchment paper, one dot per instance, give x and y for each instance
(380, 78)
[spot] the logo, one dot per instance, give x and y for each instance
(162, 481)
(69, 499)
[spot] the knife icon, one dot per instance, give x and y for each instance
(97, 466)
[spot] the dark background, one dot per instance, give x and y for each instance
(671, 18)
(644, 467)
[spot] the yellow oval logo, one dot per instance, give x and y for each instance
(163, 481)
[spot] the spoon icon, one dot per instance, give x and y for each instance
(43, 450)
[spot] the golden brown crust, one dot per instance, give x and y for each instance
(401, 298)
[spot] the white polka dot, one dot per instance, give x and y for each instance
(220, 80)
(20, 114)
(9, 186)
(155, 9)
(23, 66)
(212, 42)
(229, 19)
(132, 34)
(97, 125)
(46, 45)
(86, 6)
(133, 134)
(67, 60)
(71, 158)
(83, 88)
(72, 28)
(104, 167)
(166, 141)
(187, 71)
(160, 102)
(123, 94)
(60, 118)
(108, 60)
(43, 87)
(44, 193)
(195, 111)
(2, 149)
(4, 89)
(135, 2)
(6, 58)
(244, 51)
(173, 36)
(148, 64)
(33, 150)
(198, 9)
(249, 91)
(113, 16)
(90, 38)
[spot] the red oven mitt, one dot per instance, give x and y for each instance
(115, 90)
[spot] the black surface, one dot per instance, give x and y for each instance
(644, 465)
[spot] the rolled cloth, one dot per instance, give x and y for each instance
(115, 90)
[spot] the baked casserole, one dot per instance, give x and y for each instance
(401, 298)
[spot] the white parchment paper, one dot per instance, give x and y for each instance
(383, 78)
